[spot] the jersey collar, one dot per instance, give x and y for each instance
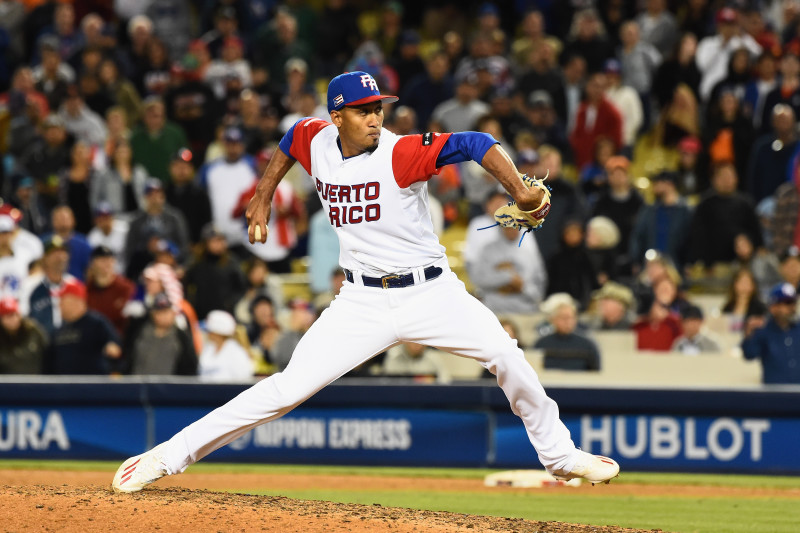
(339, 146)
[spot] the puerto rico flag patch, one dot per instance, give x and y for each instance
(338, 100)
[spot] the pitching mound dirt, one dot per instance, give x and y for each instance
(88, 509)
(80, 501)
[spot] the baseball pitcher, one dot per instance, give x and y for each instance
(399, 287)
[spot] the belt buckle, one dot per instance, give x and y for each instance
(384, 279)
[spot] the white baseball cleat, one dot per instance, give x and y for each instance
(592, 468)
(138, 472)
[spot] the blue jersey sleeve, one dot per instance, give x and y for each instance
(296, 144)
(286, 141)
(465, 146)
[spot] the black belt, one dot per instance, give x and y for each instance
(395, 281)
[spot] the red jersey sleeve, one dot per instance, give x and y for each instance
(414, 157)
(301, 135)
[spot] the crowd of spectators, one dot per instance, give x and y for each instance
(133, 133)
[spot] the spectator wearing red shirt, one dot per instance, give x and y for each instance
(658, 329)
(107, 291)
(596, 118)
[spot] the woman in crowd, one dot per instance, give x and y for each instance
(566, 348)
(602, 238)
(667, 291)
(656, 267)
(263, 332)
(123, 91)
(743, 300)
(222, 358)
(257, 279)
(75, 183)
(762, 263)
(122, 183)
(678, 69)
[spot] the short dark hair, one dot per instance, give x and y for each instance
(692, 312)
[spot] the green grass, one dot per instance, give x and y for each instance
(644, 478)
(683, 514)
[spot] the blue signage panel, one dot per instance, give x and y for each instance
(351, 436)
(663, 442)
(667, 430)
(72, 432)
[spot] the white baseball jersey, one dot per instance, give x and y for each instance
(225, 182)
(13, 271)
(377, 202)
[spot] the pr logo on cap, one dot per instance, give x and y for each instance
(369, 81)
(354, 88)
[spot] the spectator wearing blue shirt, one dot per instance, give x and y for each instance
(63, 222)
(86, 342)
(772, 154)
(663, 225)
(776, 342)
(70, 40)
(42, 304)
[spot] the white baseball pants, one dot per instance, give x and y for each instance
(364, 321)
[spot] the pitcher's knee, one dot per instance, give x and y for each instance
(287, 392)
(506, 361)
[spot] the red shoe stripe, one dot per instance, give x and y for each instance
(124, 480)
(131, 467)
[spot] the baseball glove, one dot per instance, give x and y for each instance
(511, 216)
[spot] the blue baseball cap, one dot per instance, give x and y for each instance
(103, 209)
(488, 8)
(354, 88)
(782, 293)
(233, 134)
(612, 66)
(163, 245)
(153, 184)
